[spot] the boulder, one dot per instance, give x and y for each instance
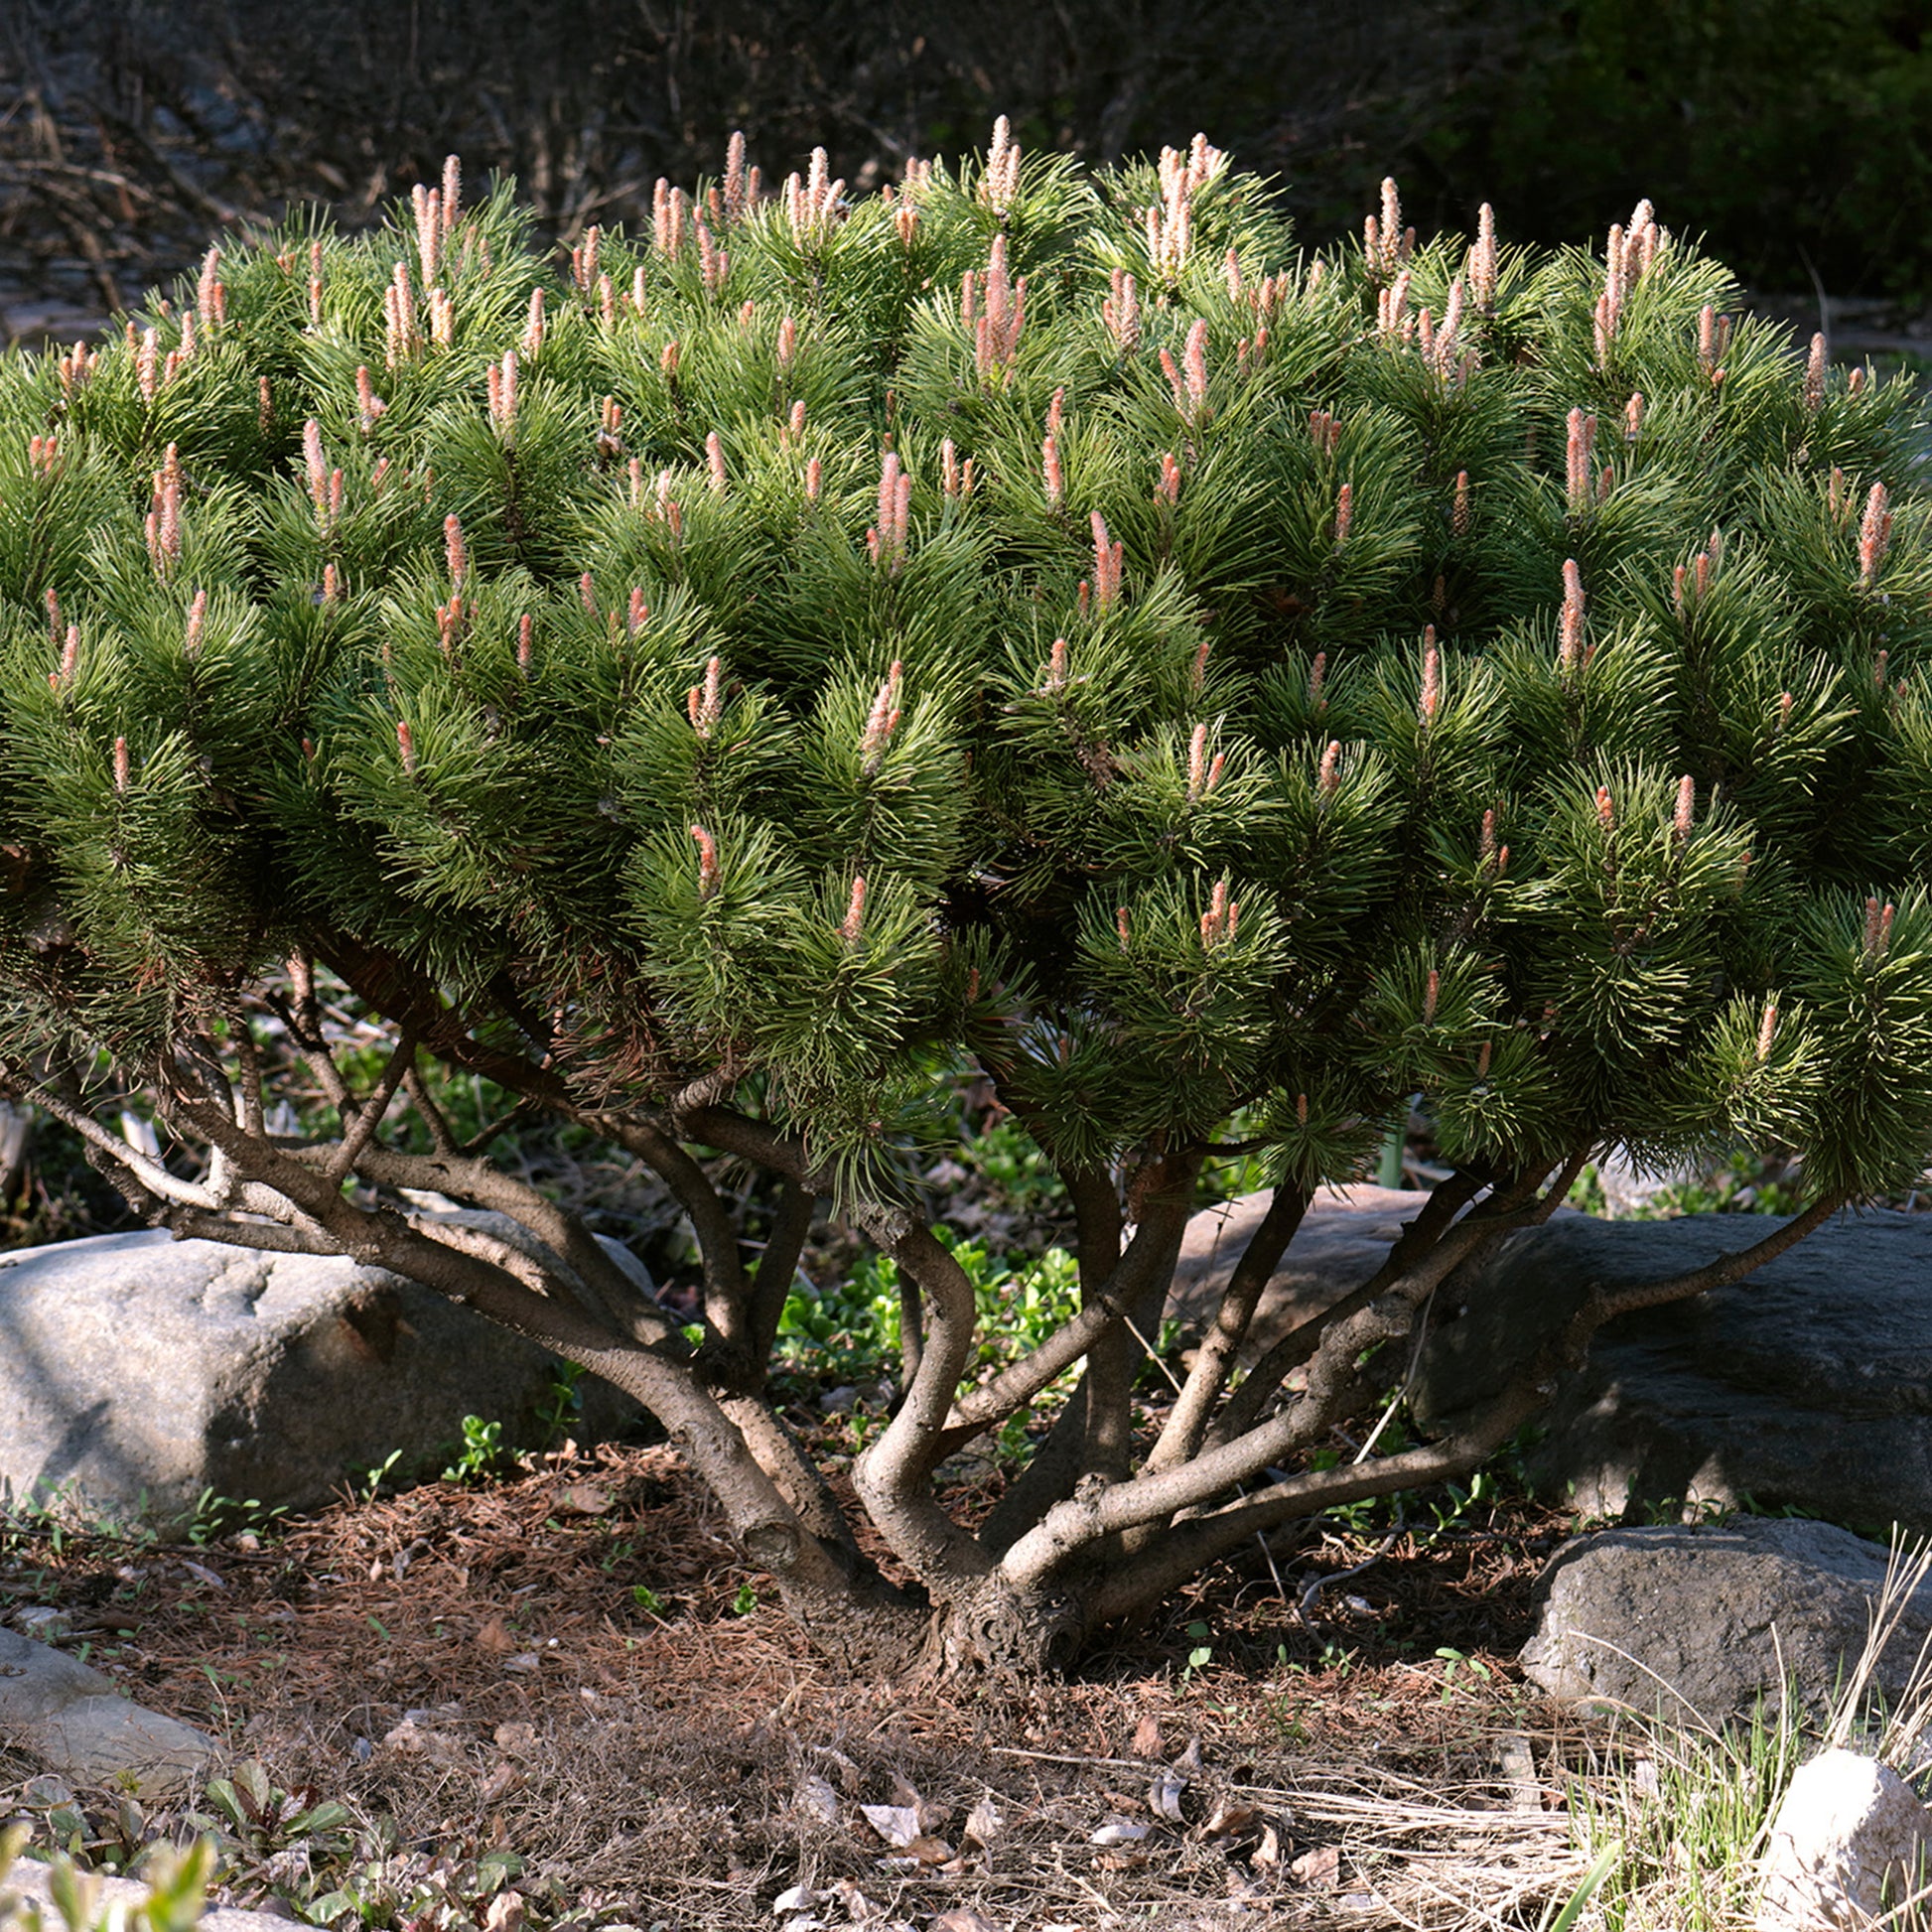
(77, 1722)
(1808, 1385)
(1344, 1237)
(1849, 1839)
(139, 1373)
(1702, 1619)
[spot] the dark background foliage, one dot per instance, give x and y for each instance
(1793, 133)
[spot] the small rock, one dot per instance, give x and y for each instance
(1710, 1617)
(75, 1721)
(43, 1623)
(1849, 1839)
(840, 1401)
(108, 1739)
(121, 1899)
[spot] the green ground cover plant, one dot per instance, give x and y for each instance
(721, 690)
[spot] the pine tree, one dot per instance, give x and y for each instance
(725, 687)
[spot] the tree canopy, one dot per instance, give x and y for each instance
(1031, 620)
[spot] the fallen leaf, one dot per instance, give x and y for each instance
(1118, 1831)
(931, 1817)
(1190, 1760)
(207, 1575)
(1119, 1861)
(817, 1799)
(897, 1824)
(1146, 1738)
(524, 1660)
(928, 1849)
(961, 1919)
(500, 1782)
(506, 1912)
(1164, 1797)
(796, 1899)
(1231, 1821)
(1321, 1866)
(585, 1499)
(516, 1738)
(984, 1822)
(1269, 1850)
(494, 1638)
(858, 1907)
(411, 1740)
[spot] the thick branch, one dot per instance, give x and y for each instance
(1114, 1361)
(1072, 1526)
(415, 1004)
(1189, 1547)
(778, 1266)
(358, 1127)
(1429, 1231)
(1096, 1223)
(893, 1476)
(767, 1525)
(1102, 1309)
(615, 1295)
(151, 1175)
(727, 1293)
(1188, 1421)
(1726, 1269)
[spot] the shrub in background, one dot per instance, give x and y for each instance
(720, 689)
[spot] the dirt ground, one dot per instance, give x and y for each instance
(568, 1664)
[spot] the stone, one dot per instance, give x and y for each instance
(75, 1721)
(1702, 1619)
(1344, 1237)
(1808, 1385)
(1849, 1839)
(29, 1878)
(139, 1373)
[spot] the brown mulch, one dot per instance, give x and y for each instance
(572, 1663)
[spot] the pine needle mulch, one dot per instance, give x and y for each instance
(570, 1662)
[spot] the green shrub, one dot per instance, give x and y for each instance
(723, 690)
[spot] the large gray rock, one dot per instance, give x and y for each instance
(1707, 1619)
(138, 1372)
(76, 1721)
(1807, 1385)
(1344, 1237)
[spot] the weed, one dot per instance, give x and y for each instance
(1202, 1653)
(217, 1516)
(1454, 1660)
(484, 1455)
(374, 1478)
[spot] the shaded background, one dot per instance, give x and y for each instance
(1795, 134)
